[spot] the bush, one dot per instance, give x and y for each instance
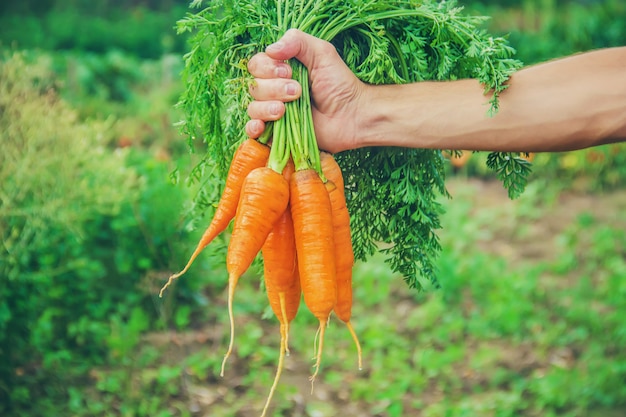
(86, 233)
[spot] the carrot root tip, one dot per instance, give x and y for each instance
(320, 347)
(231, 293)
(169, 282)
(357, 344)
(171, 279)
(279, 370)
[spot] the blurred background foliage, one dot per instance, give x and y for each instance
(95, 213)
(141, 28)
(544, 29)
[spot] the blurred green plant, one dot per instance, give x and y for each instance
(86, 232)
(545, 29)
(142, 31)
(597, 169)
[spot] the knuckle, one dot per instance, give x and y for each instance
(256, 63)
(253, 111)
(253, 89)
(252, 64)
(278, 89)
(327, 48)
(265, 110)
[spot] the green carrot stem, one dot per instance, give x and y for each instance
(308, 12)
(279, 14)
(279, 153)
(267, 133)
(296, 144)
(313, 151)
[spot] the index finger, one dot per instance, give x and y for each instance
(262, 66)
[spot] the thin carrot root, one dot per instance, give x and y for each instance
(285, 319)
(356, 342)
(178, 274)
(279, 369)
(287, 352)
(231, 318)
(169, 281)
(318, 358)
(317, 335)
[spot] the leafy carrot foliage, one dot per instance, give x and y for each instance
(391, 192)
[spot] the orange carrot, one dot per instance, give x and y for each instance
(331, 169)
(282, 283)
(280, 265)
(312, 220)
(344, 255)
(264, 198)
(250, 154)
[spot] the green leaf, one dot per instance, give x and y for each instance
(511, 169)
(391, 192)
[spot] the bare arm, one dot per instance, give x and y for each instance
(566, 104)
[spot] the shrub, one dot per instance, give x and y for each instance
(86, 231)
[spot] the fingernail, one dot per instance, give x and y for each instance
(257, 127)
(290, 89)
(274, 109)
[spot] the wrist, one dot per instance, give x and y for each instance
(374, 117)
(367, 116)
(391, 115)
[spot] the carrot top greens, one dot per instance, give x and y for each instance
(391, 192)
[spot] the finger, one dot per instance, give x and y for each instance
(254, 128)
(297, 44)
(266, 110)
(275, 89)
(262, 66)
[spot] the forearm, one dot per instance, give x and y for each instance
(567, 104)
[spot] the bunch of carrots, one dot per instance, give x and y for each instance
(288, 202)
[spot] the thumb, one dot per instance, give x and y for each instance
(298, 44)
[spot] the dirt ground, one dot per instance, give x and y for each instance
(557, 214)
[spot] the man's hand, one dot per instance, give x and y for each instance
(336, 92)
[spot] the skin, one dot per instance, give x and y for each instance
(566, 104)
